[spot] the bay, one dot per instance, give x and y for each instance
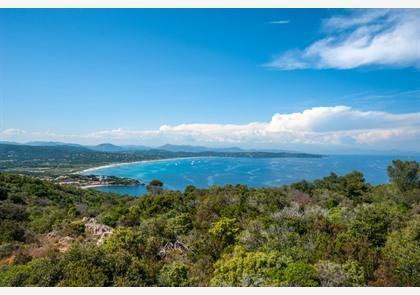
(176, 174)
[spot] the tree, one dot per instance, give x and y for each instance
(10, 231)
(402, 250)
(405, 174)
(332, 274)
(224, 231)
(374, 221)
(303, 186)
(83, 265)
(75, 228)
(179, 224)
(3, 193)
(354, 185)
(45, 271)
(155, 187)
(245, 269)
(300, 274)
(15, 276)
(156, 182)
(175, 274)
(124, 239)
(126, 269)
(82, 274)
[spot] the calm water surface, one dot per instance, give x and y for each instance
(204, 172)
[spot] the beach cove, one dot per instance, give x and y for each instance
(177, 173)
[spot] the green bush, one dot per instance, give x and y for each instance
(225, 231)
(74, 228)
(175, 274)
(124, 239)
(402, 250)
(337, 231)
(405, 174)
(245, 269)
(300, 274)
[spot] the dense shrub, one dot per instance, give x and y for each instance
(336, 231)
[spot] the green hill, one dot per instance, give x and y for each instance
(337, 231)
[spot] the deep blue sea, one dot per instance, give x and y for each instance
(203, 172)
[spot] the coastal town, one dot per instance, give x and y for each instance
(91, 181)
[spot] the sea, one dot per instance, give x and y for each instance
(204, 172)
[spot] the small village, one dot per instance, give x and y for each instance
(91, 181)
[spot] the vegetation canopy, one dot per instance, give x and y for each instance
(335, 231)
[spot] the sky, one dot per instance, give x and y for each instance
(303, 79)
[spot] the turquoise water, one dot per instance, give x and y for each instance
(203, 172)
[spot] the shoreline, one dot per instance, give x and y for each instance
(136, 162)
(146, 161)
(106, 185)
(92, 186)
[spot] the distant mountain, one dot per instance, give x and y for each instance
(137, 147)
(112, 148)
(107, 147)
(273, 151)
(63, 157)
(52, 143)
(8, 142)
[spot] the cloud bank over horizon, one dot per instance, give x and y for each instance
(313, 129)
(361, 38)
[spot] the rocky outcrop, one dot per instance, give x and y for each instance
(54, 240)
(177, 246)
(61, 241)
(64, 243)
(97, 229)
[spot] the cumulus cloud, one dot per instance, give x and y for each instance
(385, 38)
(319, 125)
(11, 132)
(328, 126)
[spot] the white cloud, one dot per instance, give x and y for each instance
(358, 18)
(12, 132)
(386, 38)
(319, 126)
(397, 134)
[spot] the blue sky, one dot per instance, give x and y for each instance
(119, 75)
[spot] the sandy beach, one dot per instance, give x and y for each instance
(135, 162)
(93, 186)
(108, 166)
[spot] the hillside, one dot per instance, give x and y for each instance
(58, 159)
(337, 231)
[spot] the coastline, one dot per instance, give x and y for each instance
(144, 161)
(106, 185)
(284, 174)
(136, 162)
(93, 186)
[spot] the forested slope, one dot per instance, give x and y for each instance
(337, 231)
